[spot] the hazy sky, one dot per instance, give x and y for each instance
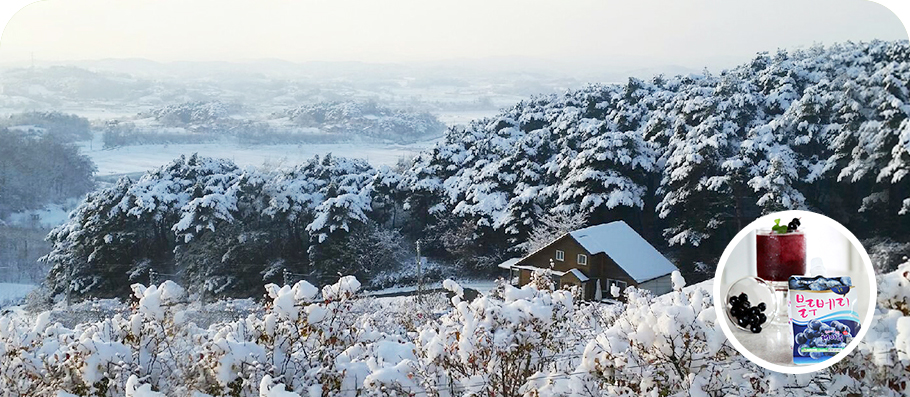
(691, 33)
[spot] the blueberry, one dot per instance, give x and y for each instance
(742, 321)
(802, 351)
(736, 311)
(815, 325)
(755, 328)
(733, 300)
(754, 311)
(801, 338)
(826, 328)
(746, 303)
(754, 320)
(815, 355)
(761, 306)
(762, 318)
(743, 297)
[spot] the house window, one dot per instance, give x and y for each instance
(514, 276)
(560, 255)
(582, 259)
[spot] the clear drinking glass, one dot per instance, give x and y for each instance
(779, 256)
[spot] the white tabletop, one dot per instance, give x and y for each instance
(772, 344)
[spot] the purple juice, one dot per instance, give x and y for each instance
(780, 255)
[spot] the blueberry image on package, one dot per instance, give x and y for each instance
(823, 317)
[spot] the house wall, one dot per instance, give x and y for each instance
(567, 244)
(610, 270)
(524, 277)
(658, 286)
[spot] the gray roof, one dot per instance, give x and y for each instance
(579, 275)
(627, 248)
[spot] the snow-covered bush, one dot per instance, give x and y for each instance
(492, 345)
(306, 341)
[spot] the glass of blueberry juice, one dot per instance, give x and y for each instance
(779, 256)
(780, 253)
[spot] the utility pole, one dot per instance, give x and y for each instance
(419, 276)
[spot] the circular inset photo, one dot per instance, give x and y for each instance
(795, 292)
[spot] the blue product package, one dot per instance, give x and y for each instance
(822, 316)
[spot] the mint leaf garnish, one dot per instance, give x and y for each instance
(778, 227)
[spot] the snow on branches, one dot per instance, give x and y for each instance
(306, 341)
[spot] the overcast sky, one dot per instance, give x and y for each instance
(691, 33)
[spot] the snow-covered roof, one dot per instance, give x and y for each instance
(627, 248)
(508, 263)
(581, 276)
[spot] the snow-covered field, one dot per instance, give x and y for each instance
(13, 294)
(50, 216)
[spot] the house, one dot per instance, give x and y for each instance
(602, 255)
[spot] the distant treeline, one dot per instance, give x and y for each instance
(37, 170)
(53, 125)
(329, 122)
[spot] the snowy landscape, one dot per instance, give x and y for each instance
(280, 229)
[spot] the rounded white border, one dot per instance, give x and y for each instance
(800, 369)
